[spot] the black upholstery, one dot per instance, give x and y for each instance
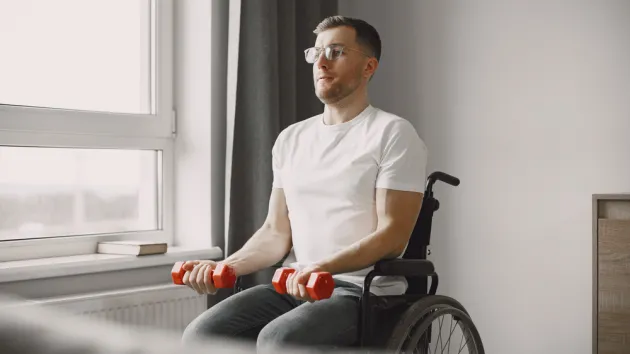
(421, 235)
(405, 267)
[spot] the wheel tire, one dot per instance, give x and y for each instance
(422, 314)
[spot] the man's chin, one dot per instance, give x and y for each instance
(327, 97)
(328, 100)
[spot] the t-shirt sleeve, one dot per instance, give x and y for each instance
(403, 164)
(276, 162)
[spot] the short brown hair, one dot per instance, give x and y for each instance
(366, 34)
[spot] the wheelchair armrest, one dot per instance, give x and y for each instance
(404, 267)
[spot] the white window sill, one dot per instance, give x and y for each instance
(95, 263)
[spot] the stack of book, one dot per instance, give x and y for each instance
(132, 247)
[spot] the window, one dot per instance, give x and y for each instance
(77, 54)
(86, 121)
(48, 192)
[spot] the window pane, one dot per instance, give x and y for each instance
(77, 54)
(47, 192)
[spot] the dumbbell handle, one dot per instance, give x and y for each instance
(223, 276)
(320, 285)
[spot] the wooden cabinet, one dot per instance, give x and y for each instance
(611, 274)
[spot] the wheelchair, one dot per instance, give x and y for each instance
(406, 323)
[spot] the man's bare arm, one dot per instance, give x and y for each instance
(397, 213)
(270, 243)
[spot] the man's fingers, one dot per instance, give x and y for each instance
(287, 284)
(197, 276)
(189, 265)
(201, 280)
(302, 291)
(193, 278)
(296, 289)
(290, 288)
(186, 279)
(302, 279)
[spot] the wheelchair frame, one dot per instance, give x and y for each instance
(413, 265)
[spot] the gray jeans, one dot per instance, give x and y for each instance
(271, 319)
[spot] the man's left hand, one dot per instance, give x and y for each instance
(296, 283)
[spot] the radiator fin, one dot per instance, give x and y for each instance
(163, 307)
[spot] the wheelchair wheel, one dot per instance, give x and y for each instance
(435, 324)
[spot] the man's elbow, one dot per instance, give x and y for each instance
(400, 239)
(397, 251)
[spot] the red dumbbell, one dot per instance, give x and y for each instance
(222, 276)
(320, 285)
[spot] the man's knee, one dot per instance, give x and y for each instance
(275, 335)
(208, 324)
(238, 315)
(321, 324)
(216, 321)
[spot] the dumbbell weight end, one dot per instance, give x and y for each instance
(223, 276)
(320, 285)
(279, 280)
(177, 273)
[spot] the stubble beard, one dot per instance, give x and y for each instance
(335, 93)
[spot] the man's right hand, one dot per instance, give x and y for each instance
(198, 278)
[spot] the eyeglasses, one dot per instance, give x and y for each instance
(331, 52)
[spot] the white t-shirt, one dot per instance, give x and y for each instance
(329, 174)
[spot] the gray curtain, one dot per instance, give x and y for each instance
(218, 117)
(274, 90)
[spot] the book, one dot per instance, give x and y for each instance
(132, 247)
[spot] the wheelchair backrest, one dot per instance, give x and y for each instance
(421, 235)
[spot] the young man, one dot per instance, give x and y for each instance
(347, 190)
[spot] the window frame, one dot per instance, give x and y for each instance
(62, 128)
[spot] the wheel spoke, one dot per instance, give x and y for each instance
(450, 335)
(416, 332)
(439, 336)
(462, 348)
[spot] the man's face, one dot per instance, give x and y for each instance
(338, 78)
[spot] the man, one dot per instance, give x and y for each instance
(346, 193)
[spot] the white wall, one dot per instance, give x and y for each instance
(203, 89)
(529, 104)
(193, 145)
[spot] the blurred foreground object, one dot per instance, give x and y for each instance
(27, 328)
(30, 328)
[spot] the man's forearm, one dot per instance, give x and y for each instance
(364, 253)
(265, 248)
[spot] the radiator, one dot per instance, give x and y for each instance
(167, 307)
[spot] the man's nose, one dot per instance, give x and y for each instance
(321, 61)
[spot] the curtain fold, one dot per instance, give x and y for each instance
(274, 89)
(218, 117)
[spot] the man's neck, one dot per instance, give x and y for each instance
(342, 112)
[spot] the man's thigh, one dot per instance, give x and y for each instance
(241, 315)
(326, 323)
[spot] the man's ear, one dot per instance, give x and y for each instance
(370, 68)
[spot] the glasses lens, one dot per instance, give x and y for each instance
(311, 55)
(333, 52)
